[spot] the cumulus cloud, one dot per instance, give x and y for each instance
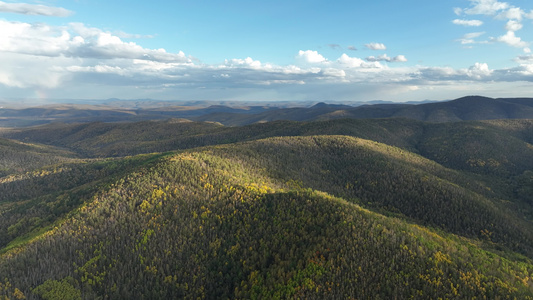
(311, 56)
(486, 7)
(75, 40)
(513, 13)
(355, 62)
(64, 57)
(34, 9)
(501, 11)
(473, 23)
(513, 26)
(376, 46)
(512, 40)
(247, 63)
(477, 72)
(384, 57)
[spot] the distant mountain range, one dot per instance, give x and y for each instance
(462, 109)
(113, 110)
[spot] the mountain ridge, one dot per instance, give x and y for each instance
(465, 108)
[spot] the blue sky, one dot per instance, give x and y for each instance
(266, 50)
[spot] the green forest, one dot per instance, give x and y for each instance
(333, 209)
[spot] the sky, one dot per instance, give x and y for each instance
(312, 50)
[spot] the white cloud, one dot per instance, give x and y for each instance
(479, 70)
(352, 48)
(376, 46)
(246, 63)
(75, 40)
(486, 7)
(512, 40)
(513, 26)
(513, 13)
(311, 56)
(458, 11)
(473, 35)
(500, 11)
(34, 9)
(384, 57)
(469, 38)
(354, 62)
(474, 23)
(75, 57)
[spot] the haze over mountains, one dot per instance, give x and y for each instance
(326, 202)
(238, 114)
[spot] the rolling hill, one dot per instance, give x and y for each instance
(342, 208)
(223, 222)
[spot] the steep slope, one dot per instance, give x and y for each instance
(208, 224)
(33, 201)
(481, 147)
(16, 157)
(391, 180)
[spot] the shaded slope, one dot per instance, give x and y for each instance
(16, 157)
(200, 225)
(497, 148)
(106, 139)
(115, 139)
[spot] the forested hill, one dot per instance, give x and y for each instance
(339, 209)
(501, 146)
